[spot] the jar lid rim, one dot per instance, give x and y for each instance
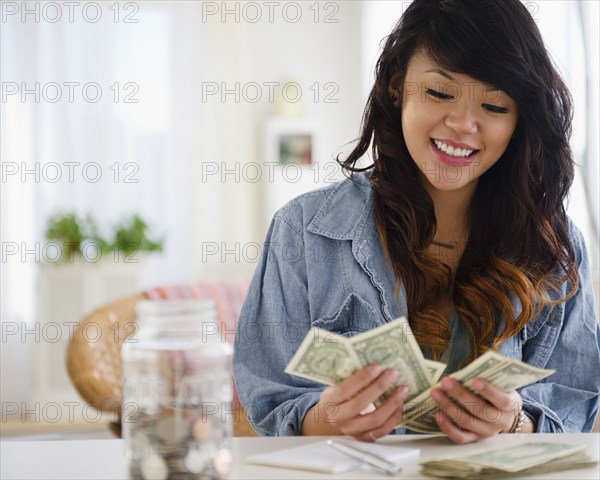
(174, 306)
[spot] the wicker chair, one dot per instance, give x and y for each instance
(94, 353)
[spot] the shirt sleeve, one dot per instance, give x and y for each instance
(567, 401)
(274, 320)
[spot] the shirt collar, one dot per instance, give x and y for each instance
(346, 211)
(347, 214)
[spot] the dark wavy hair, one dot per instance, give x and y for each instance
(519, 246)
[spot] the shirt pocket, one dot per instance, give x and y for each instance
(354, 316)
(540, 335)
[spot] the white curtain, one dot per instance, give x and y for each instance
(163, 141)
(128, 151)
(588, 15)
(95, 120)
(570, 31)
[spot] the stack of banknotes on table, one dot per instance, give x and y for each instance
(517, 460)
(329, 358)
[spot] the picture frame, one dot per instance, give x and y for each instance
(290, 141)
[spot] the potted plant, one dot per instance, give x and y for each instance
(89, 270)
(131, 236)
(73, 237)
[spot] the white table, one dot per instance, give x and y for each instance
(103, 459)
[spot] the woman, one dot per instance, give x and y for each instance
(458, 224)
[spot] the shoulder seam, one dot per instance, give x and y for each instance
(289, 224)
(283, 212)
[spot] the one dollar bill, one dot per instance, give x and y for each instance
(329, 358)
(503, 373)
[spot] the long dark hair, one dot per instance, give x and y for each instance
(519, 246)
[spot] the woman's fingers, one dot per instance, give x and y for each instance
(352, 398)
(356, 393)
(395, 404)
(475, 405)
(350, 387)
(370, 393)
(348, 400)
(457, 413)
(493, 405)
(381, 421)
(467, 416)
(454, 433)
(456, 390)
(505, 401)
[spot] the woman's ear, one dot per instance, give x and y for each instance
(395, 89)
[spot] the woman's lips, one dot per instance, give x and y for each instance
(449, 159)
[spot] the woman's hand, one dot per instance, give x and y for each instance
(342, 409)
(466, 417)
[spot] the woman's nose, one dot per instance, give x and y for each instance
(462, 118)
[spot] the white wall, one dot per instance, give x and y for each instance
(172, 53)
(232, 133)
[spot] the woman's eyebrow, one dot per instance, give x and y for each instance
(444, 73)
(441, 72)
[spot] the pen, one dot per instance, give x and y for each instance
(369, 458)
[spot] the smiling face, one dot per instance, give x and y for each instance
(455, 127)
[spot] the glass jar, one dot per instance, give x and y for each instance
(177, 393)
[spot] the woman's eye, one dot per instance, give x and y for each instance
(438, 95)
(494, 108)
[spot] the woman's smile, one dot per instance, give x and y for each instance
(451, 153)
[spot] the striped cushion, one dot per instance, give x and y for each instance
(227, 295)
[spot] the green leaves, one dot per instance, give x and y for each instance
(130, 235)
(65, 228)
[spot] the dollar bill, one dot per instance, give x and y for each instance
(522, 459)
(423, 405)
(436, 369)
(394, 346)
(329, 358)
(504, 373)
(323, 357)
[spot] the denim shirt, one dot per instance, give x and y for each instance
(323, 266)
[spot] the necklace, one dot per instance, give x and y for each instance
(450, 246)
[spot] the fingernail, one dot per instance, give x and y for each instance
(439, 418)
(392, 373)
(402, 391)
(437, 395)
(375, 370)
(447, 383)
(478, 384)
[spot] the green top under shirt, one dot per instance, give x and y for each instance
(459, 347)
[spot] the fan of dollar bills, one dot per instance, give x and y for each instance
(517, 460)
(329, 358)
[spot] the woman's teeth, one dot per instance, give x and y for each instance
(453, 152)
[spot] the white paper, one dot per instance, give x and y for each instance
(323, 458)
